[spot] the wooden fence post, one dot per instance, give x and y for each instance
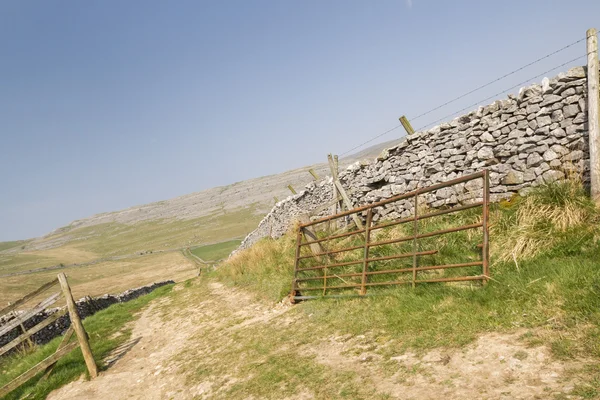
(592, 111)
(334, 177)
(292, 189)
(311, 234)
(78, 327)
(407, 126)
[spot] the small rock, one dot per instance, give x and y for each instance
(513, 178)
(550, 99)
(485, 153)
(553, 176)
(549, 155)
(533, 160)
(570, 110)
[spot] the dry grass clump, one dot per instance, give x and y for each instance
(266, 267)
(557, 216)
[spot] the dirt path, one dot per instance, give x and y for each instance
(146, 371)
(170, 356)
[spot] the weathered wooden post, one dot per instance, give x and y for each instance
(334, 177)
(407, 126)
(78, 327)
(592, 111)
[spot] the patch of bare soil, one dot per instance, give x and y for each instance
(496, 366)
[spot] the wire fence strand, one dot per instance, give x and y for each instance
(477, 89)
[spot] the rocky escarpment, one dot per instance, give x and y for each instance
(85, 307)
(536, 137)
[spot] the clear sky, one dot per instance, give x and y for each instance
(109, 104)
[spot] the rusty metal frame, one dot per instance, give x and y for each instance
(362, 286)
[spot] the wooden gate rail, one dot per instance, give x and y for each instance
(365, 232)
(64, 347)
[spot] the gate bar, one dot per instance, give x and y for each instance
(424, 235)
(343, 264)
(455, 279)
(452, 182)
(430, 215)
(393, 271)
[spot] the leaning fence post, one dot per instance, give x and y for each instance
(333, 177)
(592, 111)
(78, 327)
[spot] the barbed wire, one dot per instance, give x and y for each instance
(477, 89)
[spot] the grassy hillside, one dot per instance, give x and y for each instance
(115, 257)
(124, 242)
(545, 283)
(217, 251)
(541, 310)
(12, 245)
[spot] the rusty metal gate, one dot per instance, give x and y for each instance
(337, 257)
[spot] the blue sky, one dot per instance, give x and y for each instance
(109, 104)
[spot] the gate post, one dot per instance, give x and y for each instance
(592, 111)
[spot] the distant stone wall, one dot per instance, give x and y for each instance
(86, 306)
(536, 137)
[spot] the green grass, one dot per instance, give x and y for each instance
(545, 279)
(106, 332)
(13, 244)
(217, 251)
(117, 239)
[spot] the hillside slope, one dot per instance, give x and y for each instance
(132, 247)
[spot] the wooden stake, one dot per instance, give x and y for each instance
(78, 327)
(407, 126)
(348, 203)
(333, 171)
(592, 110)
(314, 174)
(292, 189)
(309, 232)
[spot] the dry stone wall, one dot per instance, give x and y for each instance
(85, 307)
(535, 137)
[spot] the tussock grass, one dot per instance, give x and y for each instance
(556, 217)
(266, 268)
